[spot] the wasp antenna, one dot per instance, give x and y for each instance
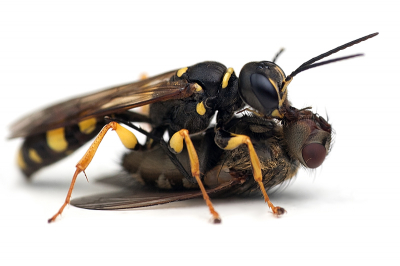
(309, 64)
(294, 73)
(337, 49)
(278, 54)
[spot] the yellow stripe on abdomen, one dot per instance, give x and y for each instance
(87, 126)
(40, 150)
(34, 156)
(56, 139)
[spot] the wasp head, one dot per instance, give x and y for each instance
(261, 85)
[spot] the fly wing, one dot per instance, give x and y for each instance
(136, 196)
(98, 104)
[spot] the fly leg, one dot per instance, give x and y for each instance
(176, 143)
(127, 138)
(230, 141)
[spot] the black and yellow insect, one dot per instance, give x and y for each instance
(183, 102)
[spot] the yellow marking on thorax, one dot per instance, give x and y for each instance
(276, 113)
(87, 126)
(20, 160)
(200, 109)
(127, 137)
(34, 156)
(56, 139)
(198, 87)
(181, 71)
(226, 77)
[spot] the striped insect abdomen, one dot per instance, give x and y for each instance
(46, 148)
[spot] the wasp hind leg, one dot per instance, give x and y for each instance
(176, 143)
(230, 141)
(127, 138)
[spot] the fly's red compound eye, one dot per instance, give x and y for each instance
(314, 154)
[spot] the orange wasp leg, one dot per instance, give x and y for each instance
(127, 138)
(234, 142)
(176, 143)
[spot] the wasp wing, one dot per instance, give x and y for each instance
(136, 196)
(98, 104)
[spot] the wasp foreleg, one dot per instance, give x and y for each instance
(230, 141)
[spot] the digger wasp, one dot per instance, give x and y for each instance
(277, 138)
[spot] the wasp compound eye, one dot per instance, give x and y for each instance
(264, 90)
(256, 87)
(314, 154)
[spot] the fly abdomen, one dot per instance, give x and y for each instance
(51, 146)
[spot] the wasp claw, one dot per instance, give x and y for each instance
(278, 211)
(216, 220)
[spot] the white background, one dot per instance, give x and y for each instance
(344, 212)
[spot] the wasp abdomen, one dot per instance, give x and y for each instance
(43, 149)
